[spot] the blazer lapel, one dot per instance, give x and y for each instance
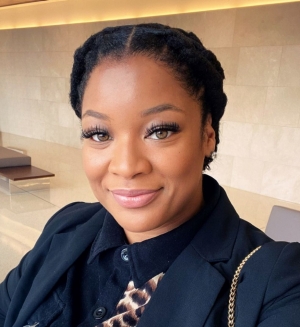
(64, 251)
(189, 289)
(190, 282)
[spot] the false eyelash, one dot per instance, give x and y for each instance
(173, 127)
(87, 134)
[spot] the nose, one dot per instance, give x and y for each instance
(129, 159)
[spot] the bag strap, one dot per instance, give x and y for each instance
(233, 289)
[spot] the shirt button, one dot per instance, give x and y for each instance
(124, 255)
(99, 313)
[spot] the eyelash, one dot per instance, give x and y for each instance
(87, 134)
(169, 127)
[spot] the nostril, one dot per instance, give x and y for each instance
(129, 164)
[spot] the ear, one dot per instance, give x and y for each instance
(209, 137)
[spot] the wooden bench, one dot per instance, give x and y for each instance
(19, 176)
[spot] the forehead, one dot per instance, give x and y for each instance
(129, 72)
(136, 80)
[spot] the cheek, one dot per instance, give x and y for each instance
(181, 163)
(93, 163)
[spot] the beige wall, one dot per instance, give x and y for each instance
(59, 12)
(259, 48)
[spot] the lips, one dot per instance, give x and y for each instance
(133, 199)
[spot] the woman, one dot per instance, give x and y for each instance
(163, 243)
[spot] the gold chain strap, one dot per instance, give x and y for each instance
(233, 288)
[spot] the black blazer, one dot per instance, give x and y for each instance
(194, 291)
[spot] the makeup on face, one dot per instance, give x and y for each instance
(143, 146)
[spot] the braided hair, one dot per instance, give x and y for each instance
(195, 67)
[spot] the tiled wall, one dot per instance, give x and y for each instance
(259, 48)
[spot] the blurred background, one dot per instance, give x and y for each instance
(258, 45)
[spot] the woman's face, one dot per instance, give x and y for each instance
(144, 146)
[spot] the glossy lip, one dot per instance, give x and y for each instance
(133, 199)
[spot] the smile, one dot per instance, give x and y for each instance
(133, 199)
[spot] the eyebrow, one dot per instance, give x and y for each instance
(147, 112)
(95, 114)
(160, 108)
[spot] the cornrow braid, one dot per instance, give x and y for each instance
(195, 67)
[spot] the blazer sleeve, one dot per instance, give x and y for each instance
(63, 219)
(282, 296)
(7, 288)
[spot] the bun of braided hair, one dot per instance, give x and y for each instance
(195, 67)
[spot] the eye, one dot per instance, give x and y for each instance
(162, 131)
(96, 134)
(160, 134)
(100, 137)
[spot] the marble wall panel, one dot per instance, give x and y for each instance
(236, 139)
(194, 22)
(289, 149)
(219, 28)
(289, 74)
(281, 182)
(259, 66)
(57, 134)
(65, 115)
(245, 103)
(49, 112)
(282, 106)
(32, 63)
(5, 64)
(56, 64)
(33, 88)
(6, 37)
(54, 89)
(265, 142)
(16, 87)
(18, 63)
(55, 38)
(27, 40)
(247, 174)
(267, 25)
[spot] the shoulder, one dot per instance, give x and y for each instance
(269, 286)
(282, 261)
(72, 215)
(275, 263)
(282, 250)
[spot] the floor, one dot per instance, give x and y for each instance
(23, 215)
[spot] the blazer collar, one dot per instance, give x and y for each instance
(216, 238)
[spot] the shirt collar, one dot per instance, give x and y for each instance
(110, 236)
